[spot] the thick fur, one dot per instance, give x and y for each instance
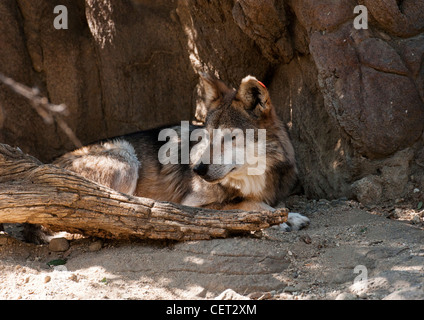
(113, 164)
(130, 164)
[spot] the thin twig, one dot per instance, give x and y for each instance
(49, 112)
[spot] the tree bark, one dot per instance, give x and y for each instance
(37, 193)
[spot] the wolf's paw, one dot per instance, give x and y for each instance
(295, 222)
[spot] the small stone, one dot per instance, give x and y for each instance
(397, 213)
(60, 268)
(363, 295)
(59, 244)
(346, 296)
(255, 295)
(416, 219)
(323, 202)
(47, 279)
(73, 277)
(265, 296)
(95, 246)
(306, 238)
(368, 190)
(257, 234)
(230, 294)
(290, 289)
(3, 239)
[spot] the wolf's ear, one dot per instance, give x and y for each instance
(215, 89)
(254, 95)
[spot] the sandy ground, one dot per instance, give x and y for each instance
(348, 252)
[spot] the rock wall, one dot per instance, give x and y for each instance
(353, 99)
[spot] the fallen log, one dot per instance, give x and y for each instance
(37, 193)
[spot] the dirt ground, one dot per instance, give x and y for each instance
(348, 252)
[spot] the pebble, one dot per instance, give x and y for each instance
(73, 277)
(346, 296)
(290, 289)
(230, 294)
(255, 295)
(60, 268)
(47, 279)
(323, 202)
(363, 295)
(397, 213)
(3, 239)
(306, 238)
(58, 244)
(265, 296)
(416, 219)
(95, 246)
(260, 295)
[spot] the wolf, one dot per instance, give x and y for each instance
(131, 163)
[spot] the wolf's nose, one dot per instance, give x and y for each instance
(201, 169)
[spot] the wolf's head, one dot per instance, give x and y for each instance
(236, 123)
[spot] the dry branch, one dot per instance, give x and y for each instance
(37, 193)
(48, 111)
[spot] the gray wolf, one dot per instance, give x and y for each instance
(130, 163)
